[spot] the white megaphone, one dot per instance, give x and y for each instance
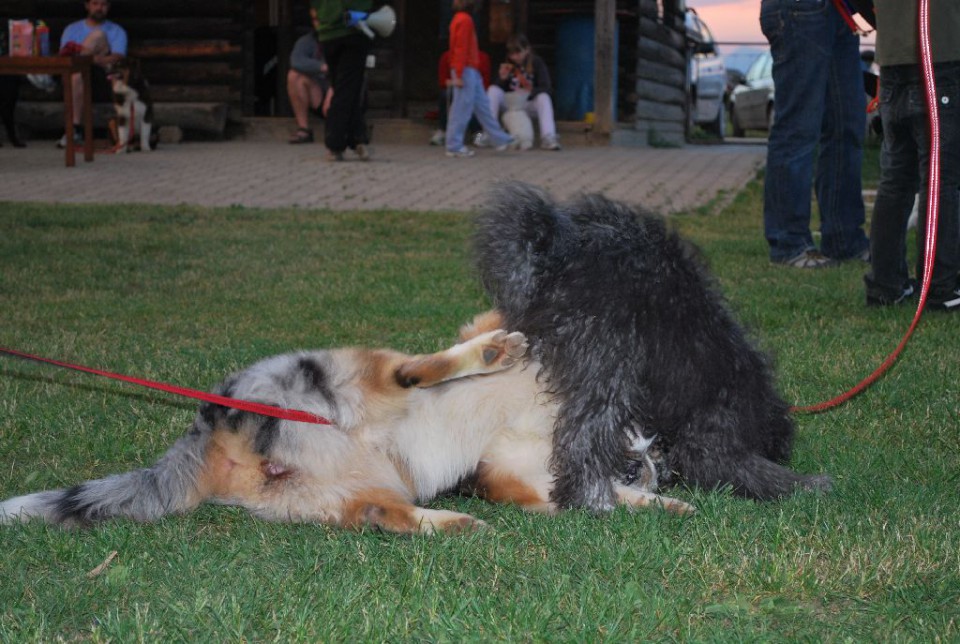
(382, 21)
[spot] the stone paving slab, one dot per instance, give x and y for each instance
(399, 177)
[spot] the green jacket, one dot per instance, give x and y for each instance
(327, 16)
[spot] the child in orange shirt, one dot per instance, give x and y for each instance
(469, 98)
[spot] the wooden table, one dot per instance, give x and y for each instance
(65, 67)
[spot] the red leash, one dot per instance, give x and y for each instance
(933, 210)
(235, 403)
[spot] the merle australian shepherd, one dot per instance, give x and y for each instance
(637, 375)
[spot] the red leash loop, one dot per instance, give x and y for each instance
(933, 210)
(235, 403)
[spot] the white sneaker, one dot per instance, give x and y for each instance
(481, 140)
(462, 153)
(550, 143)
(439, 138)
(512, 144)
(44, 82)
(77, 139)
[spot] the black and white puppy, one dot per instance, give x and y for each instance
(131, 99)
(638, 346)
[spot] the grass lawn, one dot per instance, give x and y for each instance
(188, 294)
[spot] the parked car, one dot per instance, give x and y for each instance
(751, 104)
(704, 104)
(737, 63)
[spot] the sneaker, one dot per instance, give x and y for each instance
(77, 138)
(362, 151)
(550, 143)
(462, 153)
(439, 138)
(909, 290)
(512, 144)
(481, 140)
(951, 303)
(334, 157)
(810, 258)
(42, 81)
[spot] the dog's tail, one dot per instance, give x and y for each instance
(170, 486)
(521, 237)
(749, 475)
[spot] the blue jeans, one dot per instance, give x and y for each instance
(904, 169)
(819, 108)
(471, 100)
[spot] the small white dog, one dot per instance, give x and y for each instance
(516, 120)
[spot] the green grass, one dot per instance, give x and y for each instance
(188, 294)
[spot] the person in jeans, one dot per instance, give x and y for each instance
(820, 109)
(905, 154)
(469, 99)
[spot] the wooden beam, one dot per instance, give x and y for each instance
(605, 24)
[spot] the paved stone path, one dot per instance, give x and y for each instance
(406, 177)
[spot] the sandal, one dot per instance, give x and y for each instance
(303, 135)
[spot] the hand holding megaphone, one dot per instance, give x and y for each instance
(382, 21)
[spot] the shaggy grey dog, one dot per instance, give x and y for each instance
(638, 345)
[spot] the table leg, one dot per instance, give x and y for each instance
(68, 117)
(87, 115)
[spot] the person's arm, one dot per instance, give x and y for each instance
(303, 57)
(541, 78)
(459, 43)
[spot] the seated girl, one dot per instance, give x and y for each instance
(525, 71)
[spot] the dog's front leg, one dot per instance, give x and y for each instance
(145, 136)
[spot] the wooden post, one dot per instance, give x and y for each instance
(605, 24)
(284, 47)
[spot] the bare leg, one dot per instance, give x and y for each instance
(94, 45)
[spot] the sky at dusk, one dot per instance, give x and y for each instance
(734, 20)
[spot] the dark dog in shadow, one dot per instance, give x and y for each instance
(639, 347)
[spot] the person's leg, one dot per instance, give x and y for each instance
(461, 107)
(899, 179)
(946, 266)
(299, 94)
(840, 159)
(346, 58)
(473, 83)
(495, 99)
(542, 107)
(801, 57)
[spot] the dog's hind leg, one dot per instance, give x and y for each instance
(387, 510)
(486, 353)
(635, 498)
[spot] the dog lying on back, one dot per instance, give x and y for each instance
(637, 346)
(131, 100)
(405, 429)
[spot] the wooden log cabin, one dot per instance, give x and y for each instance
(214, 63)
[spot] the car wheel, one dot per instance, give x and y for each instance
(738, 130)
(718, 124)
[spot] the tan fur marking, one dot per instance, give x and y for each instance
(504, 487)
(231, 469)
(481, 323)
(380, 508)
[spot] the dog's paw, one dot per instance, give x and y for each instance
(504, 349)
(433, 521)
